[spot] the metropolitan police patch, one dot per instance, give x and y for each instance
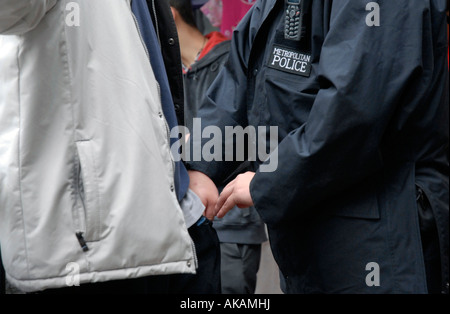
(291, 61)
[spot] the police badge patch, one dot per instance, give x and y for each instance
(291, 61)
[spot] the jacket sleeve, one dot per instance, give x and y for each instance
(20, 16)
(369, 76)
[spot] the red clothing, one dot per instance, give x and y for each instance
(214, 38)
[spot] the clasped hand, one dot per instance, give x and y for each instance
(236, 193)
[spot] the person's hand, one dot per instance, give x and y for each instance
(236, 193)
(206, 190)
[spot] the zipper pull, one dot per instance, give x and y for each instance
(419, 194)
(82, 242)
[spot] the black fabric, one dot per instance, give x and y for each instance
(170, 45)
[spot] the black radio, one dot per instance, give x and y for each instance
(293, 20)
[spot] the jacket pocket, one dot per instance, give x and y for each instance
(88, 207)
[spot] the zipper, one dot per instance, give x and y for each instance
(159, 89)
(80, 210)
(80, 236)
(195, 253)
(156, 22)
(159, 94)
(421, 197)
(82, 241)
(140, 35)
(167, 131)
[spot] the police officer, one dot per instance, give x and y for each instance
(359, 200)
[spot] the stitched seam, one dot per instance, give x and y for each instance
(65, 56)
(20, 161)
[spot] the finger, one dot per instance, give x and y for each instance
(226, 192)
(227, 206)
(211, 209)
(210, 212)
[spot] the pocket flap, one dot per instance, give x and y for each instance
(361, 201)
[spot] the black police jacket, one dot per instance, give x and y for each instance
(361, 106)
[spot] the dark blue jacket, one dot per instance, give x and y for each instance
(362, 127)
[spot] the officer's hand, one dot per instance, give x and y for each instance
(206, 190)
(236, 193)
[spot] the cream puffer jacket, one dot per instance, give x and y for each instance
(86, 173)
